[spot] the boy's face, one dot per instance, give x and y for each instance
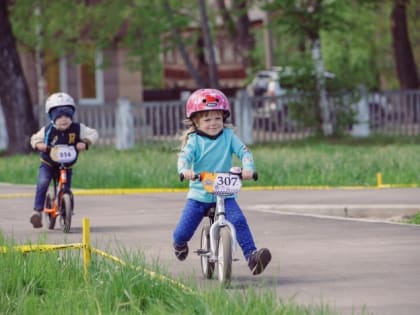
(62, 116)
(211, 122)
(62, 122)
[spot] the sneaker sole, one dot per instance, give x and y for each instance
(181, 254)
(36, 221)
(263, 260)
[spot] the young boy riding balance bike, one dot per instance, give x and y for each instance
(61, 130)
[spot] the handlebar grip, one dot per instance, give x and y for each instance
(182, 177)
(197, 176)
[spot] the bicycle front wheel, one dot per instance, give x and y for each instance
(49, 201)
(66, 212)
(207, 267)
(224, 256)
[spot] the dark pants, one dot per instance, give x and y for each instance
(45, 174)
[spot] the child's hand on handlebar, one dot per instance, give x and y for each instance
(247, 174)
(42, 147)
(81, 146)
(188, 174)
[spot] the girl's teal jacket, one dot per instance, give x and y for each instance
(202, 153)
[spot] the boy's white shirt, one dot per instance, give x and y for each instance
(87, 134)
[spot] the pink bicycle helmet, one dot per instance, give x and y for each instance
(207, 99)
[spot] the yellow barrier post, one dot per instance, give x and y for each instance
(379, 179)
(86, 245)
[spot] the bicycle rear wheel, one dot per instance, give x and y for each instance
(207, 267)
(49, 201)
(224, 256)
(66, 212)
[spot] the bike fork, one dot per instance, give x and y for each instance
(214, 232)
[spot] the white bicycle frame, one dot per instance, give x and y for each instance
(221, 185)
(214, 238)
(220, 221)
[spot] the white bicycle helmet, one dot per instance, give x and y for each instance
(59, 99)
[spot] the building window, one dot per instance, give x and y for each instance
(55, 73)
(91, 82)
(52, 73)
(87, 80)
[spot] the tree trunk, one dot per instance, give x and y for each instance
(208, 43)
(239, 30)
(326, 125)
(314, 35)
(245, 37)
(403, 54)
(181, 47)
(14, 93)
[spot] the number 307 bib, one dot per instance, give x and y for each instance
(221, 183)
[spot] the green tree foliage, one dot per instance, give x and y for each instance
(57, 26)
(356, 38)
(297, 24)
(352, 55)
(74, 28)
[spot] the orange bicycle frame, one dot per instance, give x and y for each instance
(62, 179)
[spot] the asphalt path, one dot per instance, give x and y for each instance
(341, 247)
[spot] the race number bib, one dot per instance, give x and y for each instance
(63, 153)
(221, 183)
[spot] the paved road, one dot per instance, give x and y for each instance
(319, 256)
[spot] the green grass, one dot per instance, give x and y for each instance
(311, 162)
(54, 283)
(415, 219)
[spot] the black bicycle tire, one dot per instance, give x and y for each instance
(66, 212)
(207, 267)
(49, 204)
(224, 256)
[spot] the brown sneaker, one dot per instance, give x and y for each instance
(36, 219)
(258, 260)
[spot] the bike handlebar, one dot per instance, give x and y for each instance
(197, 176)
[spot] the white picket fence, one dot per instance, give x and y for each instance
(256, 119)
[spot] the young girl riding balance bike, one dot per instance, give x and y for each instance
(208, 145)
(61, 130)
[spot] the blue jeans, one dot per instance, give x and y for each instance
(194, 212)
(45, 174)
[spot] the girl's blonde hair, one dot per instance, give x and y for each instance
(191, 124)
